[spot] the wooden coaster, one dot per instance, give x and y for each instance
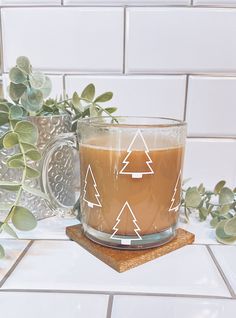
(122, 260)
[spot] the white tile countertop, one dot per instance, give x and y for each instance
(47, 271)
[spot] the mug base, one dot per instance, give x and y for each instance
(130, 242)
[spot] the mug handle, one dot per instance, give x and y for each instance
(62, 198)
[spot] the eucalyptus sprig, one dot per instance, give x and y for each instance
(81, 106)
(219, 205)
(29, 91)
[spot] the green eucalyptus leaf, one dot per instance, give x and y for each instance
(23, 219)
(201, 188)
(27, 132)
(37, 79)
(10, 140)
(47, 87)
(89, 92)
(214, 222)
(48, 109)
(23, 64)
(111, 110)
(35, 98)
(25, 103)
(27, 146)
(224, 209)
(230, 226)
(93, 111)
(34, 155)
(16, 163)
(2, 252)
(221, 236)
(32, 173)
(35, 192)
(76, 102)
(51, 102)
(226, 196)
(16, 91)
(15, 156)
(104, 97)
(9, 230)
(1, 142)
(16, 112)
(203, 213)
(219, 186)
(10, 186)
(4, 118)
(4, 108)
(192, 198)
(17, 76)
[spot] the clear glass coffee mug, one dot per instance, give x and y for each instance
(130, 178)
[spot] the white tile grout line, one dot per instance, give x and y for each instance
(10, 271)
(102, 5)
(64, 86)
(120, 74)
(213, 137)
(124, 42)
(113, 293)
(1, 43)
(109, 306)
(38, 239)
(186, 97)
(69, 240)
(232, 293)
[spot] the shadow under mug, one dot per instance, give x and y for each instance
(129, 181)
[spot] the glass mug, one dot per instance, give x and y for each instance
(130, 178)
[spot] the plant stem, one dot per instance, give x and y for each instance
(95, 104)
(19, 193)
(105, 111)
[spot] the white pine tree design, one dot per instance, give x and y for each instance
(126, 212)
(175, 201)
(129, 160)
(91, 195)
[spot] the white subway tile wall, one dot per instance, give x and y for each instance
(169, 307)
(29, 2)
(180, 40)
(221, 3)
(51, 305)
(140, 95)
(64, 39)
(128, 2)
(211, 106)
(168, 58)
(210, 160)
(82, 272)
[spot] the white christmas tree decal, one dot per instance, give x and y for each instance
(125, 214)
(91, 195)
(130, 163)
(175, 201)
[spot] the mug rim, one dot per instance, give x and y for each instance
(167, 122)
